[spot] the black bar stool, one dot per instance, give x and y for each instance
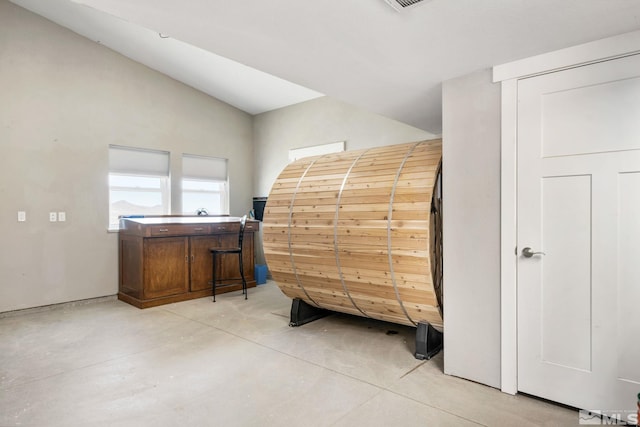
(223, 251)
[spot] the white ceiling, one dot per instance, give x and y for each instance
(359, 51)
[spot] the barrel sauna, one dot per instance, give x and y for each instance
(358, 232)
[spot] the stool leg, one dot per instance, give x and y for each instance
(244, 282)
(213, 275)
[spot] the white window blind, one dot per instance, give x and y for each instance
(316, 150)
(206, 168)
(135, 161)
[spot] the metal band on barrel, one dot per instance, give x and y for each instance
(389, 218)
(335, 235)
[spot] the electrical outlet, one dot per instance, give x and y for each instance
(53, 217)
(62, 216)
(22, 216)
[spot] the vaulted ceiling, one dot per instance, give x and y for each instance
(264, 54)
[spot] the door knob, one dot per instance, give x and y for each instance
(528, 252)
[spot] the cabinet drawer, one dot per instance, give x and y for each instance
(252, 226)
(179, 229)
(229, 227)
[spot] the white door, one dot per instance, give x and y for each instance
(579, 203)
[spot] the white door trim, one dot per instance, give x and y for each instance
(508, 75)
(508, 240)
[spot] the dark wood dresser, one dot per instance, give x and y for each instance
(167, 259)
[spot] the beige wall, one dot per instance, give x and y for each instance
(316, 122)
(471, 216)
(63, 100)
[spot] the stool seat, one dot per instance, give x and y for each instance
(225, 251)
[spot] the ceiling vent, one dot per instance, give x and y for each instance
(400, 5)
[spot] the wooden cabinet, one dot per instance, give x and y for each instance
(166, 267)
(167, 259)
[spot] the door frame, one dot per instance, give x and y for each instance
(508, 76)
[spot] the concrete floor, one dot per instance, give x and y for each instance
(234, 363)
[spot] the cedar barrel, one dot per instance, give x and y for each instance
(358, 232)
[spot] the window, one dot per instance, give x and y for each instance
(316, 150)
(204, 185)
(138, 183)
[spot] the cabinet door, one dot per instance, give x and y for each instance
(166, 266)
(201, 261)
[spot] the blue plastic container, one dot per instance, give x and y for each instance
(260, 274)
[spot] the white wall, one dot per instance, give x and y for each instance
(471, 216)
(64, 100)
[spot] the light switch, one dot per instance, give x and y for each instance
(22, 216)
(62, 216)
(53, 217)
